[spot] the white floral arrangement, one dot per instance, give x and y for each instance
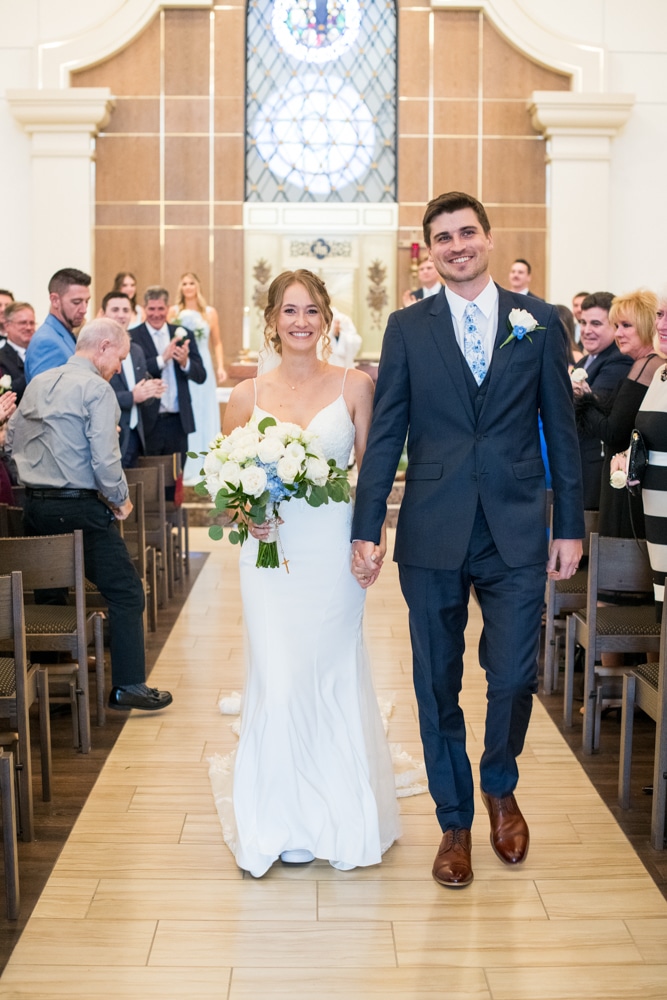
(579, 375)
(521, 324)
(189, 320)
(5, 384)
(251, 471)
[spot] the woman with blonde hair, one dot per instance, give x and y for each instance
(191, 311)
(612, 421)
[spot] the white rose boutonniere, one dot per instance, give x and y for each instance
(5, 383)
(618, 479)
(579, 375)
(520, 324)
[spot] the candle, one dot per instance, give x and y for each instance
(246, 328)
(414, 251)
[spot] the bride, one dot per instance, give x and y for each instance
(312, 776)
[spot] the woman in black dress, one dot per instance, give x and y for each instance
(633, 315)
(652, 424)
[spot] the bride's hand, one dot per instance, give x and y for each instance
(261, 531)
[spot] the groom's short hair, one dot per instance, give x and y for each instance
(453, 201)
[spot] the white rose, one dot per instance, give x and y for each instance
(245, 447)
(6, 382)
(213, 462)
(230, 473)
(213, 484)
(288, 431)
(522, 318)
(272, 431)
(618, 479)
(579, 375)
(317, 471)
(288, 469)
(296, 451)
(253, 481)
(270, 450)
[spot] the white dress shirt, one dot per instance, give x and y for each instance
(161, 338)
(486, 320)
(128, 372)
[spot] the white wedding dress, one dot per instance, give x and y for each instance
(313, 770)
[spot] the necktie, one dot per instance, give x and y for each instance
(473, 349)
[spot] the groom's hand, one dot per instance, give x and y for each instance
(366, 562)
(564, 557)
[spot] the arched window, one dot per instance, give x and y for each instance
(321, 100)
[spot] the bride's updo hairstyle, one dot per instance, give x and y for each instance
(318, 293)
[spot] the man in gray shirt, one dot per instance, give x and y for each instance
(64, 441)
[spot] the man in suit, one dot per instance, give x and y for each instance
(465, 385)
(605, 367)
(6, 299)
(430, 283)
(133, 384)
(19, 328)
(172, 355)
(55, 341)
(520, 277)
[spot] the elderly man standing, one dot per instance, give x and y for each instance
(64, 440)
(19, 328)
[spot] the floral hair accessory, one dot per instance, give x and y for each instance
(520, 324)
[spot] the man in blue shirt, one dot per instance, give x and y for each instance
(55, 341)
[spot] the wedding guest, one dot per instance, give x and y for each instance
(193, 313)
(345, 341)
(55, 341)
(6, 299)
(430, 283)
(126, 282)
(520, 277)
(19, 327)
(611, 420)
(576, 311)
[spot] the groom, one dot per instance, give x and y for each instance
(466, 388)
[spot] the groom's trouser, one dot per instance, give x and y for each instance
(511, 600)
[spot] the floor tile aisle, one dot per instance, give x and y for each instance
(146, 903)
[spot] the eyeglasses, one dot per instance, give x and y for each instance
(21, 322)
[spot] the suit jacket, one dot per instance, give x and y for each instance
(11, 363)
(604, 374)
(196, 372)
(50, 346)
(460, 454)
(126, 400)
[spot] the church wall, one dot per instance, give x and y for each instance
(635, 39)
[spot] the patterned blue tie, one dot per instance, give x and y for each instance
(473, 348)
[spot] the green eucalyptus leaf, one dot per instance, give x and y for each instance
(266, 422)
(215, 532)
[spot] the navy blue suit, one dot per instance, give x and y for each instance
(165, 435)
(473, 514)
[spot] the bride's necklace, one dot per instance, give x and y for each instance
(298, 384)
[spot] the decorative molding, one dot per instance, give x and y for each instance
(62, 122)
(318, 217)
(561, 113)
(584, 63)
(56, 60)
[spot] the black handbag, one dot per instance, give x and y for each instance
(637, 462)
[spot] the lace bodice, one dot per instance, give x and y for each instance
(334, 428)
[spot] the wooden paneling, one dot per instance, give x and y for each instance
(186, 52)
(507, 118)
(140, 115)
(135, 250)
(230, 46)
(186, 172)
(514, 170)
(229, 215)
(455, 117)
(510, 244)
(508, 73)
(185, 250)
(187, 114)
(230, 114)
(456, 54)
(413, 117)
(228, 270)
(517, 216)
(455, 165)
(132, 71)
(128, 214)
(186, 214)
(128, 169)
(413, 52)
(229, 168)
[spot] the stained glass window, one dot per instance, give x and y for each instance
(321, 100)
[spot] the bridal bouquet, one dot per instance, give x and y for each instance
(251, 471)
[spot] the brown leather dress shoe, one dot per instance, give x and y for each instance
(509, 831)
(452, 866)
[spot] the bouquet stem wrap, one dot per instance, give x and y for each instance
(267, 554)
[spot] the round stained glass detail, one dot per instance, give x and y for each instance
(316, 31)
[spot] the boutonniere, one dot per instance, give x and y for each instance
(520, 324)
(5, 384)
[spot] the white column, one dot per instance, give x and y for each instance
(62, 125)
(579, 129)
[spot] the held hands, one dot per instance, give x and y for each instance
(367, 558)
(564, 557)
(150, 388)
